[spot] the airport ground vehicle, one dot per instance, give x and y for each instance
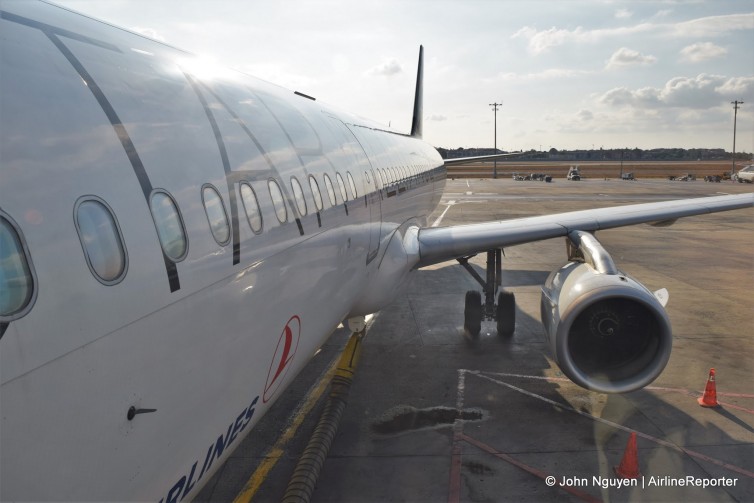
(745, 174)
(688, 177)
(574, 173)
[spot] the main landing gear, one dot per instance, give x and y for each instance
(504, 312)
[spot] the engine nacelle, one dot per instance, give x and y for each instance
(606, 331)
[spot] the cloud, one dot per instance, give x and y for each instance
(148, 32)
(702, 51)
(549, 74)
(662, 13)
(714, 25)
(738, 87)
(624, 57)
(541, 41)
(583, 121)
(623, 14)
(388, 68)
(700, 92)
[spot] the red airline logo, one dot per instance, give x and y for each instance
(284, 353)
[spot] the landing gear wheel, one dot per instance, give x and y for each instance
(472, 313)
(506, 314)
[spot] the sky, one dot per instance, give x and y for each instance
(570, 74)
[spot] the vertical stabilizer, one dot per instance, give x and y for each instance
(416, 124)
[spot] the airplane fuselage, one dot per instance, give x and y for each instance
(191, 237)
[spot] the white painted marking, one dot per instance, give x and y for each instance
(439, 219)
(612, 424)
(467, 184)
(461, 389)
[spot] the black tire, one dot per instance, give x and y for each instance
(506, 314)
(472, 313)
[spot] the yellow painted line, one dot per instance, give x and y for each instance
(273, 455)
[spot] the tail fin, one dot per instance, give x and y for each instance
(416, 124)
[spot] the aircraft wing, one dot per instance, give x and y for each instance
(491, 157)
(447, 243)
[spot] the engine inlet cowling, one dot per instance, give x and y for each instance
(607, 332)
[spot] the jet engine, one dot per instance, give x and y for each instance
(606, 331)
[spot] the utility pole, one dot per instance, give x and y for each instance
(494, 109)
(735, 114)
(621, 162)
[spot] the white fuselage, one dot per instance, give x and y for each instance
(209, 325)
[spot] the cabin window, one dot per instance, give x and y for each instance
(316, 193)
(376, 176)
(251, 207)
(342, 187)
(298, 196)
(170, 228)
(16, 278)
(366, 174)
(101, 240)
(330, 190)
(277, 201)
(216, 215)
(352, 185)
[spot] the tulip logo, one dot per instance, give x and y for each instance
(284, 353)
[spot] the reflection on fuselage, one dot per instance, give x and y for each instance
(161, 224)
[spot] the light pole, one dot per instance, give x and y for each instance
(735, 114)
(621, 162)
(494, 109)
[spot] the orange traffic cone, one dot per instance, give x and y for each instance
(709, 399)
(629, 465)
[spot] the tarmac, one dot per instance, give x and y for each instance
(434, 418)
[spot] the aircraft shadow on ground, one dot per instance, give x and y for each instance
(674, 440)
(398, 425)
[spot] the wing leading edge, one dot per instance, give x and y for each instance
(446, 243)
(465, 160)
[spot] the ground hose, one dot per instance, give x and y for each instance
(304, 479)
